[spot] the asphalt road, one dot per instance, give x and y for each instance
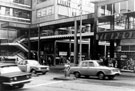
(47, 83)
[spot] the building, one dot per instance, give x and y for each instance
(117, 26)
(22, 14)
(49, 31)
(13, 12)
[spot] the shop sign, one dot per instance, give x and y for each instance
(115, 35)
(63, 53)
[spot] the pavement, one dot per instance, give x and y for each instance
(60, 70)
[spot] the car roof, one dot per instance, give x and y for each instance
(7, 64)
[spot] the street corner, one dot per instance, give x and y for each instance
(64, 78)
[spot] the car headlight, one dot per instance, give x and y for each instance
(15, 78)
(27, 76)
(39, 68)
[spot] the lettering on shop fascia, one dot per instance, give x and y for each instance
(115, 35)
(64, 3)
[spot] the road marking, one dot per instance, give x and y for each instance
(54, 82)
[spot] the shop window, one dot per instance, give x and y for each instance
(125, 48)
(132, 47)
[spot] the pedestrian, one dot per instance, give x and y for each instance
(67, 68)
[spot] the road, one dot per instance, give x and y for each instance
(46, 83)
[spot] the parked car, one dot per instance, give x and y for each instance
(12, 76)
(93, 68)
(32, 66)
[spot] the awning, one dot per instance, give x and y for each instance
(15, 25)
(67, 36)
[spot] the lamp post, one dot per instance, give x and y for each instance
(80, 31)
(38, 43)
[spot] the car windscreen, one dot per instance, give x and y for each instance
(9, 69)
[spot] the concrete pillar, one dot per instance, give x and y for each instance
(112, 49)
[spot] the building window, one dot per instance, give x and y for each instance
(45, 11)
(0, 10)
(40, 1)
(19, 1)
(7, 11)
(21, 13)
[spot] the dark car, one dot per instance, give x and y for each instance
(12, 77)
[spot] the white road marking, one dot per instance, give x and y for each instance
(54, 82)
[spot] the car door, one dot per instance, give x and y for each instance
(22, 65)
(83, 68)
(91, 69)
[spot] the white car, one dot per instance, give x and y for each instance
(93, 68)
(32, 66)
(12, 77)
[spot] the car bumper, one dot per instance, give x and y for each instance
(17, 82)
(115, 73)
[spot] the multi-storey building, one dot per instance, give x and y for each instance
(16, 14)
(55, 40)
(117, 27)
(19, 18)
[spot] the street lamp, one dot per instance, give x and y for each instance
(38, 42)
(80, 31)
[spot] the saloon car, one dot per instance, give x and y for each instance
(12, 76)
(93, 68)
(32, 66)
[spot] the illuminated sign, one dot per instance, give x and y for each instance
(128, 34)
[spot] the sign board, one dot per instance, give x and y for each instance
(113, 35)
(63, 53)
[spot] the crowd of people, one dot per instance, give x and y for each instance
(128, 64)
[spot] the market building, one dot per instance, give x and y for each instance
(51, 28)
(117, 21)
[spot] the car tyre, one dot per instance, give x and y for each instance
(101, 75)
(77, 74)
(33, 71)
(111, 77)
(1, 87)
(43, 73)
(86, 76)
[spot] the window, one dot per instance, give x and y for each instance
(19, 1)
(21, 13)
(91, 64)
(40, 1)
(45, 11)
(84, 64)
(7, 11)
(0, 10)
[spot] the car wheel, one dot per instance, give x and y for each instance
(43, 73)
(86, 76)
(111, 77)
(1, 87)
(101, 75)
(33, 71)
(77, 74)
